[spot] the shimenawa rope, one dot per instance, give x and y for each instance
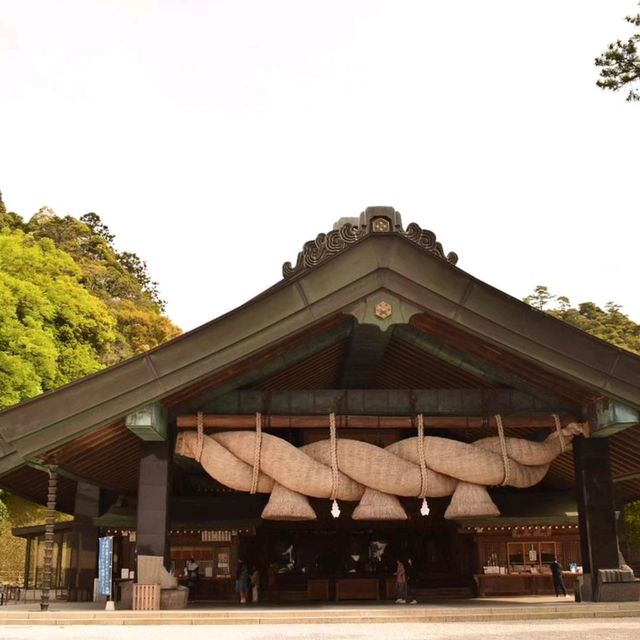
(556, 419)
(424, 509)
(335, 510)
(256, 454)
(200, 440)
(503, 445)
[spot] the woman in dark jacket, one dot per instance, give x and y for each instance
(242, 581)
(412, 578)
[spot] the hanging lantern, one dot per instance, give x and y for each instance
(335, 509)
(424, 509)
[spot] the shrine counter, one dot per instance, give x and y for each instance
(529, 584)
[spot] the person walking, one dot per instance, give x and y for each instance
(401, 583)
(558, 582)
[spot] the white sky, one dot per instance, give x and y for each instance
(215, 137)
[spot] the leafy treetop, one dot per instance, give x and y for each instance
(609, 324)
(620, 64)
(52, 329)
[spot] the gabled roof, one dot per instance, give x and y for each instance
(379, 263)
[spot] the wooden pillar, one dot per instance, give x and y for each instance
(596, 510)
(84, 541)
(153, 498)
(52, 491)
(27, 562)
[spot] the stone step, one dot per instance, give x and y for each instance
(325, 615)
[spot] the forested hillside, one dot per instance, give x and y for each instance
(70, 303)
(609, 324)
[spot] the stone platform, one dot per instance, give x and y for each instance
(477, 610)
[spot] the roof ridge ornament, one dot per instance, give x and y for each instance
(348, 231)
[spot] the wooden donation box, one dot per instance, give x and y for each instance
(343, 588)
(357, 589)
(318, 589)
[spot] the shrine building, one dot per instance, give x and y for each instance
(376, 404)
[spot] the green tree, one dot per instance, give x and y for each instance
(93, 221)
(632, 523)
(609, 324)
(540, 297)
(52, 330)
(120, 279)
(8, 219)
(620, 64)
(3, 508)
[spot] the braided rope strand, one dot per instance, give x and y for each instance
(256, 454)
(395, 470)
(556, 419)
(422, 458)
(334, 456)
(503, 446)
(200, 440)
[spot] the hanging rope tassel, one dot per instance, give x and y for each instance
(257, 450)
(556, 419)
(505, 458)
(200, 438)
(424, 509)
(335, 509)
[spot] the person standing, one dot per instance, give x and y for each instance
(242, 581)
(558, 582)
(192, 568)
(255, 584)
(412, 577)
(401, 583)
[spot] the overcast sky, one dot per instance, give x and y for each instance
(215, 137)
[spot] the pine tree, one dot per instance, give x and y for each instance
(620, 64)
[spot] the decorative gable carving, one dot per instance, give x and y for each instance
(348, 231)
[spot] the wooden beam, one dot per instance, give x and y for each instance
(626, 478)
(365, 422)
(378, 402)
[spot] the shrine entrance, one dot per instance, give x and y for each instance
(349, 561)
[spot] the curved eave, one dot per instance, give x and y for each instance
(385, 262)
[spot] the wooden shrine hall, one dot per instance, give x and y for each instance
(378, 403)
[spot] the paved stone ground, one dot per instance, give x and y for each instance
(462, 603)
(602, 629)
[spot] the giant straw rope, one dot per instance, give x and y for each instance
(352, 470)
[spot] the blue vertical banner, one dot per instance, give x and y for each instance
(105, 560)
